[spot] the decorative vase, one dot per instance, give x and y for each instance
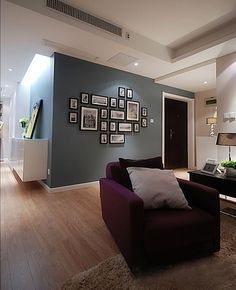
(230, 172)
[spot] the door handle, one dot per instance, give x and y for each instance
(171, 134)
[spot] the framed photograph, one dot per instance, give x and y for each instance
(113, 102)
(132, 111)
(84, 98)
(103, 126)
(33, 119)
(209, 167)
(136, 128)
(73, 103)
(121, 104)
(144, 112)
(144, 122)
(129, 94)
(112, 126)
(117, 115)
(88, 119)
(121, 92)
(99, 100)
(73, 117)
(124, 127)
(117, 139)
(103, 138)
(103, 114)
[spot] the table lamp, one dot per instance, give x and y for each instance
(211, 121)
(226, 139)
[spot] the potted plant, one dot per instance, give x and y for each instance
(24, 124)
(230, 168)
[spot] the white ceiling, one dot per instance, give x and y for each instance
(175, 42)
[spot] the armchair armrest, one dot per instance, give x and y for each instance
(123, 213)
(206, 198)
(201, 196)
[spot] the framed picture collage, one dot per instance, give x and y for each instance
(112, 116)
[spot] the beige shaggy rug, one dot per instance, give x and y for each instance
(215, 272)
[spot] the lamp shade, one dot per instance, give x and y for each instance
(211, 121)
(226, 139)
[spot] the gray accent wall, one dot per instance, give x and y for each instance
(77, 156)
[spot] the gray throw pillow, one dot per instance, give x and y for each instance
(157, 188)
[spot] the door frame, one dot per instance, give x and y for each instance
(190, 122)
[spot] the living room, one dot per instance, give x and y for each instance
(77, 158)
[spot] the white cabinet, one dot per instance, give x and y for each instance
(29, 158)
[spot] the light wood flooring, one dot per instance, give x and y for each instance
(48, 237)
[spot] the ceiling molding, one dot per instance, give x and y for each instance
(207, 40)
(64, 49)
(184, 70)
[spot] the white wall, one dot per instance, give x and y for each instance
(20, 108)
(226, 99)
(203, 112)
(5, 129)
(205, 145)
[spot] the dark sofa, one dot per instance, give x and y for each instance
(159, 235)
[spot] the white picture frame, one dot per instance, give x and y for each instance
(99, 100)
(117, 115)
(209, 168)
(124, 127)
(132, 111)
(117, 139)
(88, 119)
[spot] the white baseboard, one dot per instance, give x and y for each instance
(68, 187)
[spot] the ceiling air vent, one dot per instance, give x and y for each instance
(83, 16)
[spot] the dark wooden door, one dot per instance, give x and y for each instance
(176, 134)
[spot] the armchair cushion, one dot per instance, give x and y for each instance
(170, 229)
(157, 188)
(155, 162)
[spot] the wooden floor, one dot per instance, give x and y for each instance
(48, 237)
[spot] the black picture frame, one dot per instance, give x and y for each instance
(113, 102)
(125, 127)
(33, 119)
(84, 98)
(132, 111)
(103, 113)
(103, 126)
(73, 103)
(112, 126)
(136, 127)
(129, 93)
(103, 138)
(73, 117)
(117, 115)
(99, 100)
(121, 104)
(144, 122)
(117, 138)
(88, 119)
(144, 112)
(121, 92)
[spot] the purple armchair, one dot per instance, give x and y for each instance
(159, 235)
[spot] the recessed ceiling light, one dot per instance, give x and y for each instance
(205, 82)
(136, 63)
(6, 86)
(10, 69)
